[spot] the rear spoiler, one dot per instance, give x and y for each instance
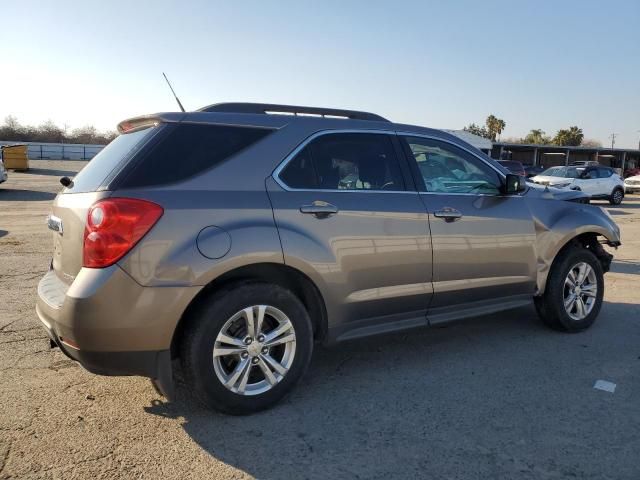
(137, 123)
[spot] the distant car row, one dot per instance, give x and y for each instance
(533, 170)
(598, 181)
(632, 184)
(3, 172)
(520, 169)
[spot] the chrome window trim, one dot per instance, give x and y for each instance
(309, 139)
(493, 195)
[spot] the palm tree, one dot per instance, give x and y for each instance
(501, 124)
(495, 126)
(536, 136)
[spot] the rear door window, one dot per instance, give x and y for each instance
(99, 167)
(604, 172)
(190, 149)
(346, 161)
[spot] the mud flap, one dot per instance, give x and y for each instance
(164, 384)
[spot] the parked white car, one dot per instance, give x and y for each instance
(632, 184)
(595, 181)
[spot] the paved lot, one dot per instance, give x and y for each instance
(494, 397)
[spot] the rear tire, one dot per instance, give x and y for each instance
(564, 307)
(218, 344)
(616, 196)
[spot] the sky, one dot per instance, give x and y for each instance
(544, 64)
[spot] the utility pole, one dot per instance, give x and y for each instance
(613, 139)
(65, 127)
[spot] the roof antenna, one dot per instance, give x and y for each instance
(172, 91)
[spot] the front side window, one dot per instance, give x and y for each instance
(346, 161)
(572, 172)
(446, 168)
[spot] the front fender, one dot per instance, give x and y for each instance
(558, 222)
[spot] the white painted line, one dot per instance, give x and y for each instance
(604, 385)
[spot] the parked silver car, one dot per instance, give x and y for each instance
(227, 241)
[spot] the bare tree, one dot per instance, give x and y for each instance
(49, 132)
(590, 142)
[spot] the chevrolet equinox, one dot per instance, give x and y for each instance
(228, 241)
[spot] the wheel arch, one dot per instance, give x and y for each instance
(617, 188)
(290, 278)
(589, 239)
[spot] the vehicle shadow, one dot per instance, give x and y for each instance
(391, 406)
(627, 203)
(25, 195)
(625, 266)
(618, 212)
(3, 233)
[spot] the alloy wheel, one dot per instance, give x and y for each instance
(617, 197)
(580, 291)
(254, 350)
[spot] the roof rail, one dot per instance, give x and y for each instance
(266, 108)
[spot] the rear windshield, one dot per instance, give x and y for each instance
(100, 166)
(190, 149)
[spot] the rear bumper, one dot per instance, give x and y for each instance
(145, 363)
(109, 323)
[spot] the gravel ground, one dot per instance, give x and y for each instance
(493, 397)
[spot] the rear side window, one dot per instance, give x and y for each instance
(346, 161)
(604, 172)
(122, 147)
(190, 149)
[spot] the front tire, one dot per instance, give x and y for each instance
(574, 291)
(616, 196)
(246, 347)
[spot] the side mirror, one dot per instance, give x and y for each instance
(513, 184)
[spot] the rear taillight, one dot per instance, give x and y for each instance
(114, 226)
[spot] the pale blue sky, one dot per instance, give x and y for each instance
(545, 64)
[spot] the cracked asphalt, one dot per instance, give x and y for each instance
(493, 397)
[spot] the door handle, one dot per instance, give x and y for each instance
(448, 214)
(319, 209)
